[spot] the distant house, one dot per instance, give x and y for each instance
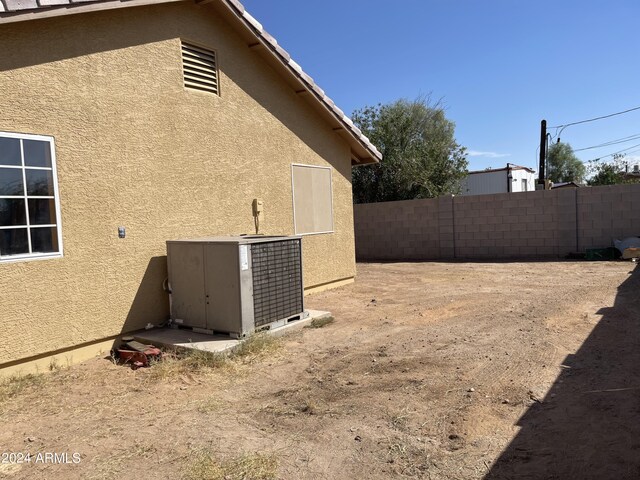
(564, 185)
(512, 178)
(634, 175)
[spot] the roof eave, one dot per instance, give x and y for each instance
(73, 8)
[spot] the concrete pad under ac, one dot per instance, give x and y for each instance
(190, 340)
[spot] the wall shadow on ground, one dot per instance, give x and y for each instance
(588, 425)
(150, 303)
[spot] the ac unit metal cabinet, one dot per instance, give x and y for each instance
(235, 284)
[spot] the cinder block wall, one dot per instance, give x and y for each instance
(506, 225)
(407, 229)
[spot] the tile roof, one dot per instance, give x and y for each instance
(18, 10)
(15, 6)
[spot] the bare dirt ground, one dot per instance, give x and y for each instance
(430, 370)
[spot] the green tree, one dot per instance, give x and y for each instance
(421, 157)
(563, 165)
(610, 173)
(606, 174)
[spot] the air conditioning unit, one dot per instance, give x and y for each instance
(235, 285)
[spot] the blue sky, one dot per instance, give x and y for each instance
(499, 66)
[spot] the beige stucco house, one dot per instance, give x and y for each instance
(166, 118)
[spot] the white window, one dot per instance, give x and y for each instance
(29, 206)
(524, 184)
(312, 199)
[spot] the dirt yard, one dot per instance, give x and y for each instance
(430, 370)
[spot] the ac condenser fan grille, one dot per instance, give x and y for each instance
(277, 280)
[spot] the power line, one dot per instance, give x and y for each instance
(611, 142)
(627, 153)
(615, 153)
(634, 151)
(597, 118)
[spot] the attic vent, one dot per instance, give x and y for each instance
(199, 68)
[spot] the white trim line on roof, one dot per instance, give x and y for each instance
(503, 169)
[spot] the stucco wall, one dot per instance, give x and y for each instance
(134, 148)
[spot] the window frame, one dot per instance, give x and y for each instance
(293, 199)
(22, 257)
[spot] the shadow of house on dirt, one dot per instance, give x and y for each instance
(588, 426)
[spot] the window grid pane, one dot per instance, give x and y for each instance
(44, 240)
(14, 241)
(28, 206)
(36, 153)
(12, 212)
(42, 211)
(39, 183)
(11, 182)
(10, 151)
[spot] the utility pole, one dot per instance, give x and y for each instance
(543, 154)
